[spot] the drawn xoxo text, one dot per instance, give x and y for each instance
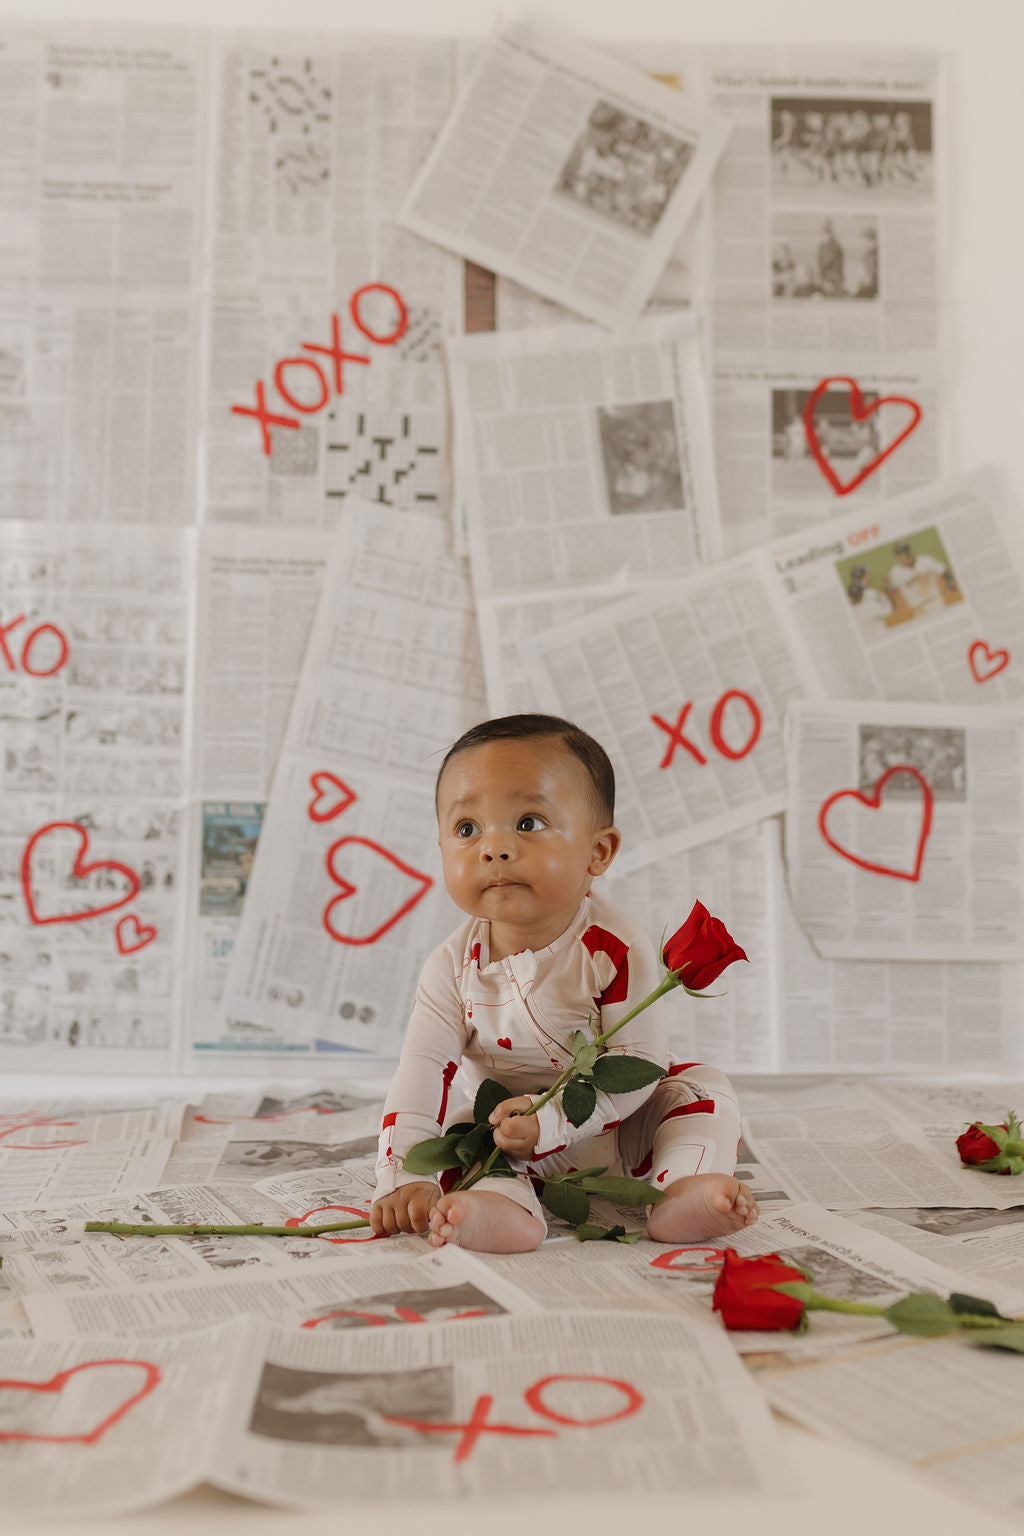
(40, 653)
(676, 737)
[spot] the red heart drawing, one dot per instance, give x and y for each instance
(35, 1146)
(131, 935)
(506, 1043)
(332, 796)
(80, 871)
(993, 661)
(347, 1210)
(424, 882)
(858, 412)
(873, 801)
(57, 1384)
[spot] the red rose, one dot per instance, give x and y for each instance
(744, 1296)
(974, 1146)
(993, 1148)
(700, 950)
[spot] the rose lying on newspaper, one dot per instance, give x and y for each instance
(766, 1293)
(993, 1148)
(702, 948)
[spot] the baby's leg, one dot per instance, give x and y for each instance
(691, 1124)
(495, 1216)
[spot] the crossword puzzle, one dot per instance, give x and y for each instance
(296, 107)
(387, 456)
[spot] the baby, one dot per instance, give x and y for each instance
(525, 806)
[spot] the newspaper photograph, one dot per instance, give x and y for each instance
(249, 1151)
(829, 286)
(93, 679)
(567, 170)
(686, 686)
(904, 830)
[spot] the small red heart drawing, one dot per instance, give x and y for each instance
(131, 935)
(992, 662)
(347, 1210)
(873, 801)
(57, 1384)
(422, 881)
(331, 798)
(506, 1043)
(858, 412)
(80, 871)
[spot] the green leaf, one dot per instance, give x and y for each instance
(579, 1174)
(474, 1146)
(621, 1074)
(578, 1101)
(922, 1314)
(623, 1191)
(461, 1128)
(488, 1096)
(802, 1291)
(567, 1201)
(584, 1054)
(589, 1234)
(432, 1156)
(974, 1304)
(1010, 1337)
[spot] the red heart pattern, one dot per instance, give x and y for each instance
(991, 663)
(332, 796)
(873, 801)
(58, 1383)
(131, 935)
(858, 412)
(80, 870)
(506, 1043)
(421, 881)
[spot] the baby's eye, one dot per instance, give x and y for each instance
(530, 823)
(466, 829)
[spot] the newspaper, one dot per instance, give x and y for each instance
(686, 687)
(904, 831)
(844, 1146)
(248, 1151)
(567, 170)
(324, 1294)
(856, 1265)
(329, 961)
(829, 288)
(940, 1406)
(104, 164)
(33, 1175)
(319, 299)
(93, 676)
(986, 1246)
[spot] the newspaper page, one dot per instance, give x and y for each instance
(985, 1246)
(736, 1027)
(920, 598)
(109, 1425)
(904, 832)
(827, 227)
(840, 1144)
(567, 170)
(104, 160)
(254, 1150)
(329, 961)
(686, 687)
(941, 1406)
(488, 1407)
(42, 1173)
(93, 681)
(326, 319)
(875, 1016)
(326, 1294)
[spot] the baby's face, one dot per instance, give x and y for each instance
(518, 835)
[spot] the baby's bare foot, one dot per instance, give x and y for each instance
(486, 1222)
(704, 1205)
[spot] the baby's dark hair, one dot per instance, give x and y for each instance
(520, 727)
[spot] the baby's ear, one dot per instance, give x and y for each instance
(606, 846)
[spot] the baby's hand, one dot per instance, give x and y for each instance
(515, 1132)
(406, 1210)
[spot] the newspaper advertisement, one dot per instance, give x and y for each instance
(104, 164)
(324, 1293)
(827, 225)
(842, 1145)
(329, 960)
(686, 686)
(904, 830)
(921, 598)
(566, 170)
(326, 319)
(93, 679)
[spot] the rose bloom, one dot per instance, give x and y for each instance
(975, 1147)
(701, 949)
(744, 1296)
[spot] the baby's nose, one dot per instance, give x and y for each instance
(495, 846)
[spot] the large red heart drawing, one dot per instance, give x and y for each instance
(992, 662)
(131, 935)
(331, 798)
(80, 871)
(57, 1384)
(423, 883)
(858, 412)
(873, 801)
